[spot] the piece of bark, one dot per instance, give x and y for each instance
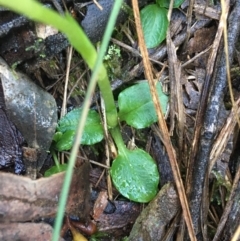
(26, 231)
(22, 199)
(152, 222)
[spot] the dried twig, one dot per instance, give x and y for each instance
(63, 111)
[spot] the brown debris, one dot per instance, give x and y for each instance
(202, 39)
(120, 222)
(100, 204)
(26, 231)
(211, 12)
(88, 229)
(22, 199)
(152, 223)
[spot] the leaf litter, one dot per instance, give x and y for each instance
(186, 97)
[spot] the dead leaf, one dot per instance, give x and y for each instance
(202, 39)
(26, 231)
(23, 199)
(121, 219)
(100, 204)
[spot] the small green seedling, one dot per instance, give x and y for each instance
(57, 168)
(134, 173)
(155, 22)
(66, 129)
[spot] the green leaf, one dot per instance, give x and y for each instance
(57, 136)
(154, 23)
(135, 175)
(136, 106)
(66, 141)
(166, 3)
(55, 169)
(93, 130)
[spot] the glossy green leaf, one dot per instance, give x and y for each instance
(93, 130)
(55, 169)
(136, 106)
(135, 175)
(166, 3)
(57, 136)
(154, 23)
(66, 141)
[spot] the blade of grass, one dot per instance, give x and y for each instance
(86, 105)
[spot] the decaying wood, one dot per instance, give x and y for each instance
(22, 199)
(199, 157)
(153, 220)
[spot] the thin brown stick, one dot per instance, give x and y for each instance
(109, 180)
(236, 235)
(133, 51)
(162, 123)
(63, 111)
(189, 22)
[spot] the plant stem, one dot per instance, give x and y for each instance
(55, 159)
(107, 95)
(117, 137)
